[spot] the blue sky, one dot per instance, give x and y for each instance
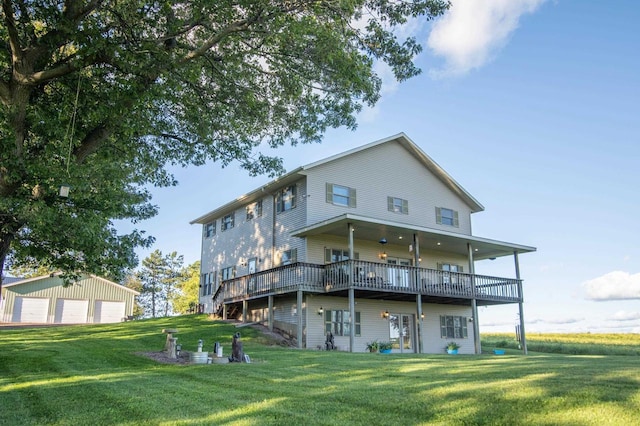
(533, 106)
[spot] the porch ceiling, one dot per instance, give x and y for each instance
(370, 229)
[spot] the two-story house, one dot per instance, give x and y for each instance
(371, 244)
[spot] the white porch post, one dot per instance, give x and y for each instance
(520, 304)
(299, 310)
(416, 262)
(270, 312)
(474, 305)
(224, 311)
(245, 310)
(352, 300)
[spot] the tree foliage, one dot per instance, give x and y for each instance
(185, 299)
(102, 95)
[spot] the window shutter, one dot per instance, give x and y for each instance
(438, 215)
(356, 256)
(455, 219)
(294, 255)
(329, 189)
(327, 255)
(352, 197)
(460, 268)
(279, 202)
(294, 195)
(405, 206)
(390, 204)
(439, 266)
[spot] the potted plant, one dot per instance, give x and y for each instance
(452, 348)
(385, 347)
(373, 346)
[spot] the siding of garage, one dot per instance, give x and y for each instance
(88, 288)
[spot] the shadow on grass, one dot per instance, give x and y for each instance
(90, 375)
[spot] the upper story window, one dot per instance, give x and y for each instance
(254, 210)
(286, 199)
(447, 217)
(210, 229)
(341, 195)
(228, 273)
(397, 205)
(289, 257)
(228, 222)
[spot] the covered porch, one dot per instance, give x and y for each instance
(362, 279)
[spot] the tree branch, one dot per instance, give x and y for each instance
(216, 38)
(14, 38)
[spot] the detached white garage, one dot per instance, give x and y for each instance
(45, 300)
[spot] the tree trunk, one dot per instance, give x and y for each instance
(5, 243)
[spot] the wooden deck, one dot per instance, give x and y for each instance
(372, 280)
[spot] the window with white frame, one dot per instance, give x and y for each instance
(228, 222)
(254, 210)
(286, 199)
(206, 283)
(453, 327)
(210, 229)
(337, 255)
(338, 322)
(228, 273)
(341, 195)
(397, 205)
(289, 256)
(446, 216)
(450, 267)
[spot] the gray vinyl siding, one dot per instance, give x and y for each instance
(377, 173)
(254, 238)
(433, 343)
(375, 327)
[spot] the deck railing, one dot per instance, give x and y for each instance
(369, 276)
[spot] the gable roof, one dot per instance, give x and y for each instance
(21, 281)
(297, 173)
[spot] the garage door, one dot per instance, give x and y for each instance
(108, 311)
(69, 311)
(30, 309)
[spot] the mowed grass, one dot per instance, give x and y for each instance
(91, 375)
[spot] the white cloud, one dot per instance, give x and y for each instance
(625, 316)
(472, 31)
(554, 321)
(616, 285)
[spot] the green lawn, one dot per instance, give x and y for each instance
(90, 375)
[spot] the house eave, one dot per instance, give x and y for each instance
(373, 229)
(250, 197)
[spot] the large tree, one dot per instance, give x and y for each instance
(101, 95)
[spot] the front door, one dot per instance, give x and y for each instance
(401, 332)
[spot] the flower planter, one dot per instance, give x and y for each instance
(498, 351)
(385, 351)
(452, 351)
